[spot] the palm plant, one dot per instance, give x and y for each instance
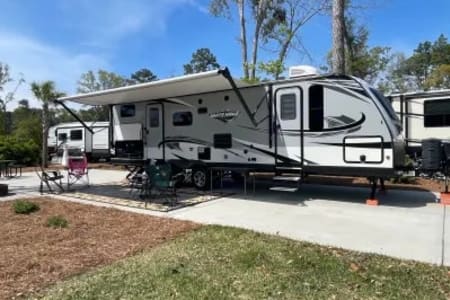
(46, 93)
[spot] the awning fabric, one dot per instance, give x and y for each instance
(167, 88)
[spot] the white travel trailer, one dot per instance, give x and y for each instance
(96, 145)
(423, 115)
(307, 124)
(52, 141)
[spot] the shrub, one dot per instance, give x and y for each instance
(57, 222)
(23, 151)
(24, 207)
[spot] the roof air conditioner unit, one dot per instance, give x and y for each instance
(302, 71)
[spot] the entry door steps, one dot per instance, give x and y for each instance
(287, 183)
(288, 169)
(283, 189)
(287, 178)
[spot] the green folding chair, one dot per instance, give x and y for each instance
(162, 183)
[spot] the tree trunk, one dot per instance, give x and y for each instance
(241, 6)
(260, 12)
(338, 53)
(282, 56)
(255, 51)
(44, 159)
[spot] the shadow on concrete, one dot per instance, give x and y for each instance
(311, 192)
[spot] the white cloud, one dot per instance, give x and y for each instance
(97, 26)
(40, 62)
(104, 23)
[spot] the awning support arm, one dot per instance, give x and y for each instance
(226, 73)
(73, 115)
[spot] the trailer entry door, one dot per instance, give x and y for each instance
(289, 126)
(155, 147)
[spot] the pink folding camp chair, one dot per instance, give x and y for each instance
(77, 170)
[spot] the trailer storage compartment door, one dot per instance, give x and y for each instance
(128, 141)
(128, 132)
(100, 142)
(367, 149)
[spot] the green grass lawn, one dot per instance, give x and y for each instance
(225, 263)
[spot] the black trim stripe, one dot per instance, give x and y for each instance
(375, 145)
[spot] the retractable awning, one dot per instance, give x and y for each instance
(162, 89)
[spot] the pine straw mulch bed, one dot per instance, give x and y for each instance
(34, 256)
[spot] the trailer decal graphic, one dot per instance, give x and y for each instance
(186, 139)
(354, 125)
(225, 116)
(284, 159)
(374, 145)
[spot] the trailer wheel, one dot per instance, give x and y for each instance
(200, 178)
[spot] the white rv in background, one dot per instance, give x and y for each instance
(307, 124)
(423, 115)
(51, 142)
(96, 145)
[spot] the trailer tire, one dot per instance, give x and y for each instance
(200, 178)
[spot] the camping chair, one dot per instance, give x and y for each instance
(162, 182)
(137, 181)
(49, 178)
(77, 170)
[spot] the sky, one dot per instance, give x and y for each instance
(61, 39)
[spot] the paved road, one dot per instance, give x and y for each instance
(407, 224)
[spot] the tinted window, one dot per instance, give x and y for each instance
(154, 117)
(62, 137)
(316, 107)
(127, 110)
(437, 113)
(183, 118)
(288, 107)
(76, 135)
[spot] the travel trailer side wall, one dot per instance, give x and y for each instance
(96, 145)
(423, 115)
(335, 125)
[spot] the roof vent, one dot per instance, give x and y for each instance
(302, 71)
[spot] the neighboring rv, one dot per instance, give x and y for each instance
(96, 145)
(423, 115)
(307, 124)
(52, 142)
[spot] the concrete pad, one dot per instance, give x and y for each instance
(406, 224)
(29, 181)
(446, 239)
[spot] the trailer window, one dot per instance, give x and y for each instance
(62, 137)
(76, 135)
(154, 117)
(316, 107)
(127, 110)
(182, 118)
(288, 107)
(436, 113)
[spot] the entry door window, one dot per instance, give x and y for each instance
(154, 117)
(288, 107)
